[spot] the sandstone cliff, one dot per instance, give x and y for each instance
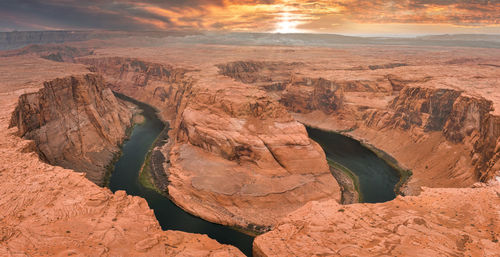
(241, 134)
(298, 94)
(306, 95)
(234, 152)
(461, 119)
(392, 113)
(75, 122)
(159, 85)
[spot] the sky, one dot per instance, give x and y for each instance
(352, 17)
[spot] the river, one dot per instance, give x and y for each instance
(376, 178)
(126, 177)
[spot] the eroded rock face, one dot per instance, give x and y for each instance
(241, 154)
(159, 85)
(234, 152)
(76, 122)
(460, 118)
(134, 71)
(306, 95)
(385, 109)
(51, 211)
(439, 222)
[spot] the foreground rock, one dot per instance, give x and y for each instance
(439, 222)
(75, 122)
(51, 211)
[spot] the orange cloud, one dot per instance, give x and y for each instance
(254, 15)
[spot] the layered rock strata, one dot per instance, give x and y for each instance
(241, 134)
(461, 119)
(159, 85)
(393, 114)
(75, 122)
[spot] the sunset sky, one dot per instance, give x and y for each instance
(355, 17)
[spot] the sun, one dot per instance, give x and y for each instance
(287, 24)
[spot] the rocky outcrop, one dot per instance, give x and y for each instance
(159, 85)
(278, 76)
(133, 71)
(47, 210)
(306, 95)
(240, 133)
(461, 119)
(258, 71)
(297, 94)
(301, 94)
(75, 122)
(423, 114)
(471, 121)
(439, 222)
(398, 83)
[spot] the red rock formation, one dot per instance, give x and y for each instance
(439, 222)
(134, 71)
(418, 111)
(306, 95)
(159, 85)
(237, 155)
(76, 122)
(460, 118)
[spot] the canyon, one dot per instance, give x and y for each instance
(74, 122)
(226, 131)
(238, 153)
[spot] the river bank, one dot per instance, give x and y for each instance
(348, 181)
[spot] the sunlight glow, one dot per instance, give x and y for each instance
(287, 24)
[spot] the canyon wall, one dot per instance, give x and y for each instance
(241, 134)
(233, 152)
(461, 119)
(297, 93)
(75, 122)
(159, 85)
(391, 113)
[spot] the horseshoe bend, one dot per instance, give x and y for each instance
(199, 145)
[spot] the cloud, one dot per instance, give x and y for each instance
(241, 15)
